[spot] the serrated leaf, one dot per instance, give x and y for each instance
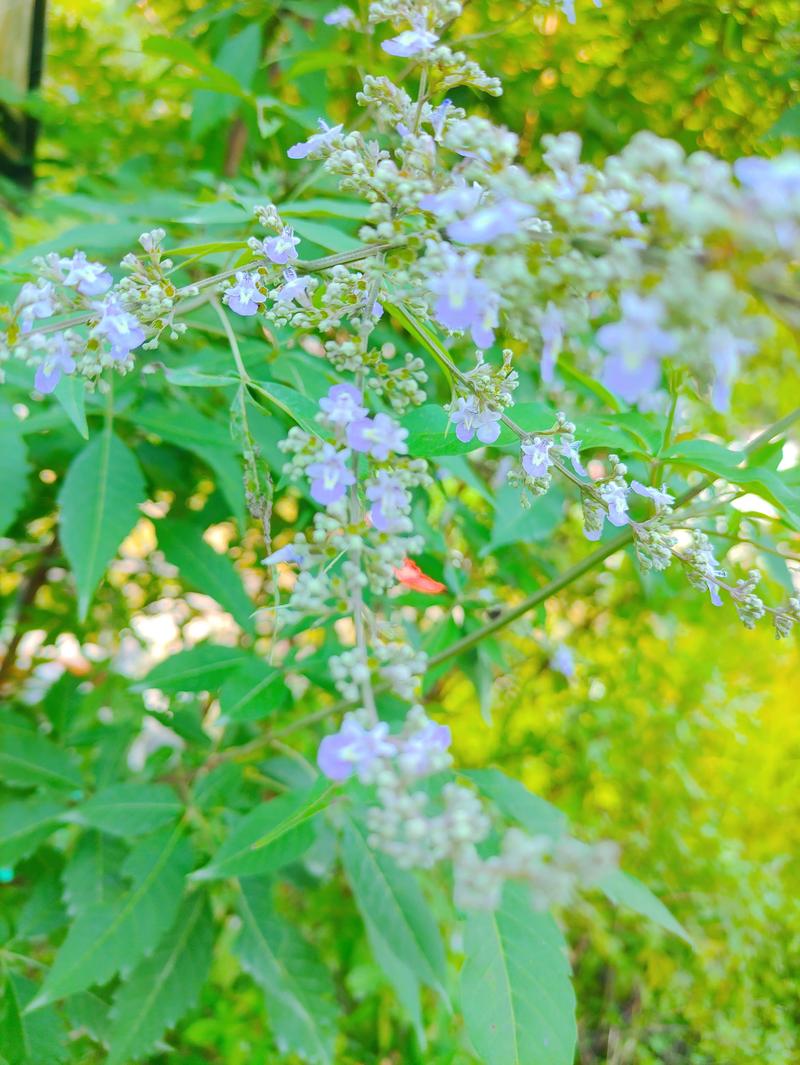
(391, 899)
(13, 468)
(99, 503)
(296, 985)
(93, 874)
(515, 801)
(164, 986)
(516, 992)
(204, 569)
(271, 836)
(625, 890)
(25, 825)
(111, 937)
(203, 668)
(130, 809)
(29, 759)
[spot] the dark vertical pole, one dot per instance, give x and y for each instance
(18, 130)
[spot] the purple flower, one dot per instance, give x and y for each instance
(342, 405)
(35, 301)
(615, 497)
(571, 449)
(89, 278)
(294, 288)
(464, 301)
(378, 436)
(57, 361)
(330, 475)
(562, 661)
(411, 42)
(121, 329)
(551, 327)
(660, 496)
(418, 754)
(244, 297)
(470, 421)
(439, 117)
(460, 198)
(485, 225)
(280, 249)
(389, 499)
(536, 458)
(353, 749)
(289, 553)
(340, 16)
(315, 142)
(636, 345)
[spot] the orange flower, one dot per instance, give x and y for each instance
(412, 577)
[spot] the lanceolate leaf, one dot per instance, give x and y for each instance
(515, 801)
(626, 890)
(272, 835)
(112, 937)
(25, 825)
(130, 809)
(391, 899)
(204, 569)
(27, 758)
(13, 468)
(400, 976)
(296, 985)
(94, 872)
(99, 506)
(203, 668)
(164, 986)
(29, 1038)
(516, 993)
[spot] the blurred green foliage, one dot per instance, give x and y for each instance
(679, 737)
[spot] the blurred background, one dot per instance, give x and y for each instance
(676, 733)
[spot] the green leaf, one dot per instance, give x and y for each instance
(111, 937)
(25, 825)
(130, 809)
(431, 435)
(296, 985)
(514, 800)
(400, 976)
(721, 462)
(164, 986)
(71, 394)
(29, 1038)
(299, 407)
(516, 993)
(625, 890)
(391, 899)
(94, 872)
(203, 668)
(202, 567)
(326, 208)
(788, 125)
(269, 837)
(514, 523)
(253, 691)
(28, 759)
(325, 236)
(99, 502)
(13, 468)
